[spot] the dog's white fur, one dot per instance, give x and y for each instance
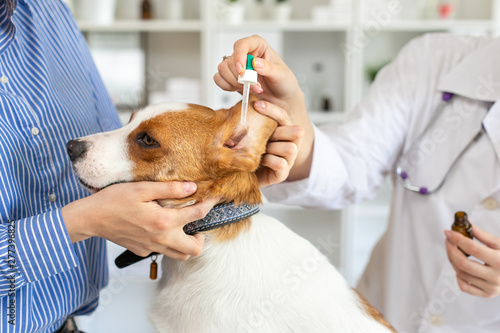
(107, 162)
(267, 279)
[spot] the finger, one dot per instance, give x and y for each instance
(271, 70)
(256, 88)
(486, 238)
(174, 254)
(275, 163)
(472, 248)
(228, 72)
(137, 248)
(190, 245)
(183, 216)
(293, 133)
(150, 191)
(273, 111)
(254, 45)
(471, 289)
(462, 264)
(286, 150)
(182, 243)
(485, 285)
(232, 86)
(223, 84)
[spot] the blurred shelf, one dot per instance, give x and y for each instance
(433, 25)
(293, 25)
(142, 26)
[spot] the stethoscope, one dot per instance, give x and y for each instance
(403, 175)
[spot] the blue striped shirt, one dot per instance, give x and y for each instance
(50, 92)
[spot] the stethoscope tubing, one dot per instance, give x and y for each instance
(402, 175)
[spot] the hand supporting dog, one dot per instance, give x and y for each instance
(128, 215)
(282, 148)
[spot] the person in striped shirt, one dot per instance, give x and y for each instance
(51, 264)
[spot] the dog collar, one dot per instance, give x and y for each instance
(218, 216)
(221, 215)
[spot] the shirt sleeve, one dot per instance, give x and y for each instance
(351, 161)
(34, 248)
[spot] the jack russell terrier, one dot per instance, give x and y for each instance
(247, 277)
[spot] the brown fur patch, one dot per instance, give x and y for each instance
(207, 147)
(229, 231)
(372, 312)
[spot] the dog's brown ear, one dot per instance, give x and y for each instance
(240, 147)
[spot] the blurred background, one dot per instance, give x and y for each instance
(152, 51)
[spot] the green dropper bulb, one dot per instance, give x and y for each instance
(249, 62)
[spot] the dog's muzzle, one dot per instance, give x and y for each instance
(76, 149)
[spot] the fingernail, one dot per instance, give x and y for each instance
(189, 187)
(239, 68)
(257, 89)
(447, 233)
(258, 63)
(260, 104)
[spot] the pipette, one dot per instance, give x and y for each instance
(247, 78)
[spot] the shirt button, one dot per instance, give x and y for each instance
(52, 197)
(490, 203)
(35, 131)
(436, 320)
(4, 79)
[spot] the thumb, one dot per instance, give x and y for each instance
(167, 190)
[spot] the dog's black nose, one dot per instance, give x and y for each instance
(75, 149)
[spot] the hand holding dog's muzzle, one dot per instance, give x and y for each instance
(128, 214)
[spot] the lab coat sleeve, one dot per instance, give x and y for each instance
(351, 161)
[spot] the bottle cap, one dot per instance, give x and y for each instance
(461, 218)
(249, 75)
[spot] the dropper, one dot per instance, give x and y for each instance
(247, 78)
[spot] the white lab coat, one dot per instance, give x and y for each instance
(409, 277)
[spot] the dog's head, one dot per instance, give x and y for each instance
(176, 141)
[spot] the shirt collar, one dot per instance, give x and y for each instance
(7, 28)
(477, 76)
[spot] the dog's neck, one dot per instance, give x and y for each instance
(236, 187)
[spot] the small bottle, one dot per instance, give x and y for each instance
(463, 226)
(319, 81)
(146, 10)
(153, 270)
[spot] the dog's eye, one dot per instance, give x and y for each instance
(148, 141)
(145, 140)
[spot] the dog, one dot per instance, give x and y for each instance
(254, 275)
